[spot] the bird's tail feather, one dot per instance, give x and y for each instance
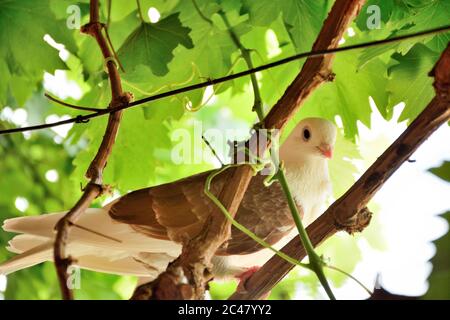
(119, 236)
(29, 258)
(122, 251)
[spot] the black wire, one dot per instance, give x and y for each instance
(318, 53)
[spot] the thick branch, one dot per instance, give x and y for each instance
(349, 212)
(194, 263)
(94, 173)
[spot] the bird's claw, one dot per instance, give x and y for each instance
(244, 276)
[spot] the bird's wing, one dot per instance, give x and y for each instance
(265, 212)
(177, 211)
(174, 211)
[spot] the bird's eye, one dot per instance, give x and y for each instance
(306, 134)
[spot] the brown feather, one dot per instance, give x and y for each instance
(177, 211)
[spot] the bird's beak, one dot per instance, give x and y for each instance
(326, 150)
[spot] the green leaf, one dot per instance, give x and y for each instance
(22, 28)
(391, 12)
(285, 290)
(274, 81)
(343, 252)
(153, 44)
(164, 7)
(303, 18)
(405, 17)
(439, 280)
(342, 170)
(210, 57)
(213, 46)
(443, 171)
(409, 81)
(427, 15)
(222, 290)
(21, 89)
(5, 76)
(133, 159)
(348, 95)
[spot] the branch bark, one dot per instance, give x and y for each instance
(94, 173)
(188, 275)
(349, 212)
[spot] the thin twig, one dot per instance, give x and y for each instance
(116, 57)
(349, 275)
(108, 17)
(212, 150)
(311, 54)
(315, 261)
(94, 232)
(257, 102)
(95, 171)
(200, 13)
(72, 106)
(138, 3)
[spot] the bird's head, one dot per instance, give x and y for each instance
(311, 138)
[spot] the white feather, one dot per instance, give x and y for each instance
(135, 254)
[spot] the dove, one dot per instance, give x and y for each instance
(146, 228)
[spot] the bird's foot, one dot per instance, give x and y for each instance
(244, 276)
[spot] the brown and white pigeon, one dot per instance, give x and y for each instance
(152, 223)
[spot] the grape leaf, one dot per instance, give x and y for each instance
(427, 15)
(22, 28)
(443, 171)
(5, 77)
(343, 252)
(303, 18)
(153, 44)
(405, 17)
(439, 280)
(222, 290)
(342, 170)
(210, 57)
(348, 95)
(409, 81)
(275, 81)
(213, 46)
(132, 161)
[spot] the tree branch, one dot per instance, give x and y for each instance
(188, 275)
(69, 105)
(349, 212)
(95, 186)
